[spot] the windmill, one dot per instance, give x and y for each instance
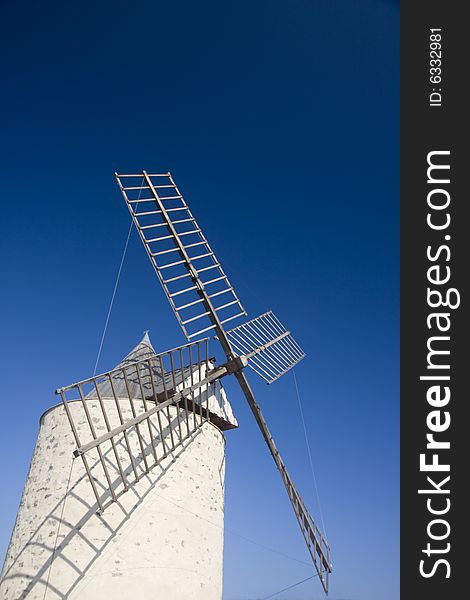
(144, 426)
(203, 300)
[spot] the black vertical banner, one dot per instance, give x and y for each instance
(435, 256)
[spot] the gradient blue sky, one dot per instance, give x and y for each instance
(279, 120)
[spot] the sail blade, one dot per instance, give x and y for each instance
(146, 408)
(194, 281)
(270, 349)
(317, 545)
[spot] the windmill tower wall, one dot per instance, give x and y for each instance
(162, 539)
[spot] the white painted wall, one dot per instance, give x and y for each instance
(162, 540)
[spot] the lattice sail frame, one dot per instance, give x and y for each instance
(179, 252)
(270, 349)
(147, 409)
(204, 307)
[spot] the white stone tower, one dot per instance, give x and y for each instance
(163, 539)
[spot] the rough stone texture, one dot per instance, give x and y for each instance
(162, 540)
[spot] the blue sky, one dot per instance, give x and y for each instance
(279, 121)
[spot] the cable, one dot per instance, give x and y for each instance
(309, 453)
(115, 287)
(289, 587)
(112, 297)
(302, 562)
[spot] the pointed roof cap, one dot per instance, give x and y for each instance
(144, 349)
